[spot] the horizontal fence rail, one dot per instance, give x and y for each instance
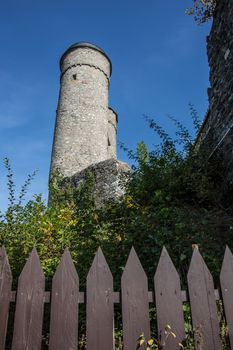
(134, 297)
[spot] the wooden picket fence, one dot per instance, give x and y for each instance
(100, 299)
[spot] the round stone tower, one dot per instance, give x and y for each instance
(85, 130)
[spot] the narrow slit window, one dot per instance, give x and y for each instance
(74, 76)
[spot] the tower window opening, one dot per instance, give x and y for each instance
(74, 76)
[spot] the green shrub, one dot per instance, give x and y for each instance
(173, 198)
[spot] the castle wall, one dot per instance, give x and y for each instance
(110, 178)
(82, 124)
(217, 130)
(112, 131)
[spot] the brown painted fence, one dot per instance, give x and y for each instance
(100, 299)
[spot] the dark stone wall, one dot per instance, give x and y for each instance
(110, 177)
(217, 130)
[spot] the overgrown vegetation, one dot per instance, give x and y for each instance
(173, 198)
(202, 10)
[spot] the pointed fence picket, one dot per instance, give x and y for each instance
(135, 303)
(226, 280)
(5, 295)
(64, 306)
(100, 299)
(100, 312)
(29, 306)
(203, 304)
(169, 306)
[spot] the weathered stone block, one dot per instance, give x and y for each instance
(109, 180)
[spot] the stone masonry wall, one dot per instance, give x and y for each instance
(110, 177)
(112, 132)
(86, 127)
(217, 130)
(82, 124)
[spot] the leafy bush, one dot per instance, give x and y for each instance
(173, 198)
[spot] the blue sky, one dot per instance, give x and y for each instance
(159, 66)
